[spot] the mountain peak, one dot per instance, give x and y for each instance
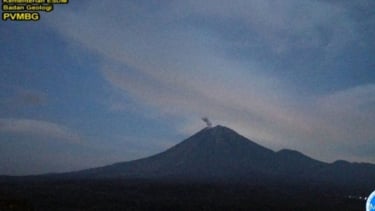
(219, 129)
(222, 142)
(220, 152)
(219, 135)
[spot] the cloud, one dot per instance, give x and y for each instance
(164, 58)
(38, 128)
(279, 119)
(349, 114)
(360, 98)
(284, 26)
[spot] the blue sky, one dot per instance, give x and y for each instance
(93, 82)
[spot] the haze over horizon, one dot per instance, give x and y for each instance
(93, 83)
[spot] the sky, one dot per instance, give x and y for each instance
(97, 82)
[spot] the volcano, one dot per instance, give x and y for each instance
(221, 153)
(215, 169)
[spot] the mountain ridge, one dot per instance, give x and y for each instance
(221, 153)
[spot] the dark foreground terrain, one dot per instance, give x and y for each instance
(116, 194)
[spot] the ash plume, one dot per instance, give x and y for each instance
(207, 121)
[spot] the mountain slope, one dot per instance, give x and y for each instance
(220, 152)
(217, 151)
